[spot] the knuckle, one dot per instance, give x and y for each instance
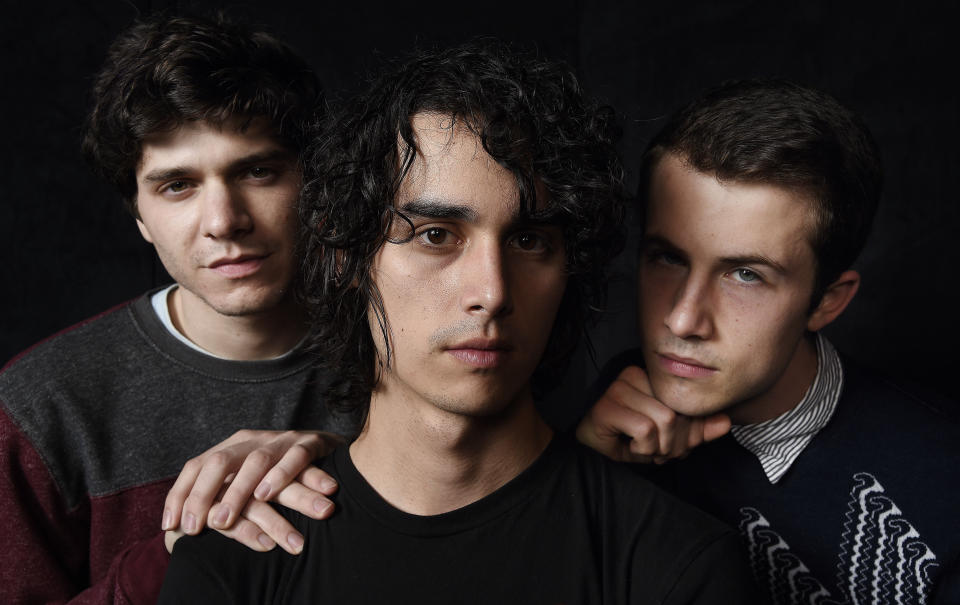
(289, 436)
(618, 392)
(194, 502)
(645, 427)
(669, 418)
(192, 465)
(219, 459)
(260, 458)
(300, 453)
(242, 435)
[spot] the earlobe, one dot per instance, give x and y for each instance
(144, 231)
(836, 298)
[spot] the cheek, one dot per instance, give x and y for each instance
(654, 295)
(766, 329)
(413, 300)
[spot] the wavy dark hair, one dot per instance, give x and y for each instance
(530, 116)
(781, 133)
(166, 71)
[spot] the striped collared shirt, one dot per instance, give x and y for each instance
(778, 442)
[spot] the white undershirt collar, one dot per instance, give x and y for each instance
(160, 302)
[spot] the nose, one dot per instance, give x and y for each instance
(486, 281)
(225, 213)
(690, 317)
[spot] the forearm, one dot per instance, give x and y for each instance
(50, 544)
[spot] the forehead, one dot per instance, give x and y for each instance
(451, 167)
(700, 214)
(198, 141)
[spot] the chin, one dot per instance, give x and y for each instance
(686, 400)
(247, 304)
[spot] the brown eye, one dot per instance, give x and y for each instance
(175, 188)
(435, 236)
(530, 242)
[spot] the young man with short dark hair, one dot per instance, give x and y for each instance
(199, 124)
(756, 200)
(460, 218)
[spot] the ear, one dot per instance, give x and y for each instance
(834, 301)
(144, 231)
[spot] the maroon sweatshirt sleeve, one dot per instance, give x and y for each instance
(104, 550)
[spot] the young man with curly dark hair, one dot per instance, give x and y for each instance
(199, 124)
(757, 198)
(460, 216)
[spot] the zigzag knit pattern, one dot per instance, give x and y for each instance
(776, 567)
(882, 558)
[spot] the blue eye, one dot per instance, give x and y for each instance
(746, 275)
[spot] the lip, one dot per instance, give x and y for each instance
(684, 367)
(239, 266)
(483, 353)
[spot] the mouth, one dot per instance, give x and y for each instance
(482, 353)
(238, 266)
(684, 367)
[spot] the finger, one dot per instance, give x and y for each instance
(207, 486)
(306, 501)
(274, 525)
(247, 533)
(297, 458)
(673, 430)
(608, 421)
(254, 467)
(173, 504)
(679, 436)
(170, 538)
(637, 378)
(715, 426)
(318, 481)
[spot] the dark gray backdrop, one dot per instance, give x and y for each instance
(68, 250)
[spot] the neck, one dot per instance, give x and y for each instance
(248, 337)
(787, 392)
(425, 461)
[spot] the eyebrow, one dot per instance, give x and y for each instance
(261, 157)
(754, 259)
(438, 209)
(746, 259)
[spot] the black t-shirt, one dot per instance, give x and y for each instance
(572, 528)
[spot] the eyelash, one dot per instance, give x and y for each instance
(168, 187)
(542, 242)
(669, 258)
(758, 279)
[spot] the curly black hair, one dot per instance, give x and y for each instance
(782, 133)
(531, 116)
(166, 71)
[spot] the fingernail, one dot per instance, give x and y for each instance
(167, 522)
(295, 541)
(221, 515)
(262, 491)
(190, 523)
(328, 485)
(265, 541)
(321, 506)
